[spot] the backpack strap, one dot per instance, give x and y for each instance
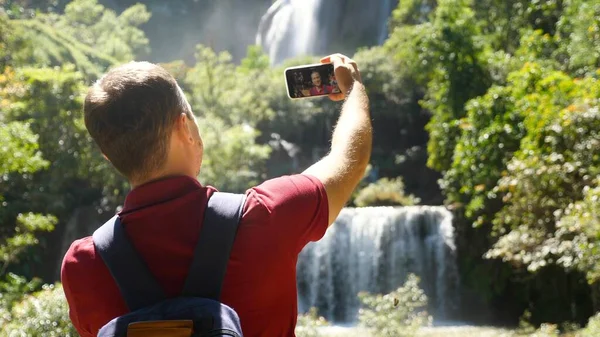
(135, 281)
(207, 271)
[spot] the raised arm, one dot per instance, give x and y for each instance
(343, 168)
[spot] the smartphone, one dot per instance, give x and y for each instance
(313, 80)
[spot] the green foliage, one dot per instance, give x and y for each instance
(399, 141)
(5, 34)
(58, 48)
(547, 330)
(255, 61)
(232, 160)
(229, 104)
(579, 35)
(458, 77)
(222, 90)
(25, 236)
(503, 21)
(308, 324)
(399, 313)
(450, 63)
(45, 313)
(592, 329)
(88, 35)
(51, 100)
(116, 35)
(575, 244)
(412, 12)
(385, 192)
(19, 151)
(12, 289)
(512, 89)
(557, 160)
(43, 118)
(491, 132)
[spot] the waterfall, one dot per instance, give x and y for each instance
(289, 28)
(292, 28)
(374, 249)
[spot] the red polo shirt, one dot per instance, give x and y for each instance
(163, 221)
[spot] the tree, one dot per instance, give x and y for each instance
(18, 154)
(444, 55)
(498, 75)
(228, 102)
(502, 21)
(80, 44)
(579, 36)
(87, 35)
(557, 162)
(75, 175)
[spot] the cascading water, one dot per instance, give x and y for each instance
(289, 28)
(293, 28)
(374, 249)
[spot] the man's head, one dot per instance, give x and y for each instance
(140, 119)
(316, 78)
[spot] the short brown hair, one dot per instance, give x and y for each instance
(130, 113)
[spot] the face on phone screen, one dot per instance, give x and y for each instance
(311, 81)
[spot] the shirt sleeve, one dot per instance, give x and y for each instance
(67, 275)
(297, 205)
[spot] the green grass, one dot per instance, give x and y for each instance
(466, 331)
(455, 331)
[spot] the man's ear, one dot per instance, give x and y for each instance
(184, 128)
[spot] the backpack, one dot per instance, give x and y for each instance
(197, 312)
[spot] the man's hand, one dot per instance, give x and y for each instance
(346, 73)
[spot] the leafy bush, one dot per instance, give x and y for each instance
(546, 330)
(399, 313)
(308, 323)
(556, 165)
(44, 314)
(12, 289)
(385, 192)
(526, 328)
(576, 239)
(593, 327)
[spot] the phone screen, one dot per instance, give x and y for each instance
(311, 81)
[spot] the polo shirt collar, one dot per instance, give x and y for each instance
(159, 191)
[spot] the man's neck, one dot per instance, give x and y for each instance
(156, 177)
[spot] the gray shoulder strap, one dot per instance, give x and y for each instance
(211, 255)
(138, 286)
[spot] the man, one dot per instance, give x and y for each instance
(318, 87)
(140, 119)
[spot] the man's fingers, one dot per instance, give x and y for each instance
(331, 58)
(348, 67)
(352, 62)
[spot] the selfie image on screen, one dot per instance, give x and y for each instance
(311, 81)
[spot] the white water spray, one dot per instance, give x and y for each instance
(289, 28)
